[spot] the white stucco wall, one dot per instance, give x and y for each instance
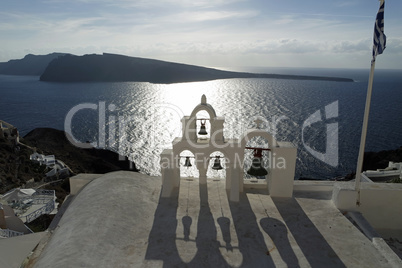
(380, 204)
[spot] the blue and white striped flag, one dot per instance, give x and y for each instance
(379, 36)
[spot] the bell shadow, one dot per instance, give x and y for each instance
(309, 239)
(208, 253)
(278, 232)
(186, 220)
(251, 241)
(224, 224)
(162, 238)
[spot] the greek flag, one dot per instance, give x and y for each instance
(379, 36)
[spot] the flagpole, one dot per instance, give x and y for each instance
(364, 133)
(379, 42)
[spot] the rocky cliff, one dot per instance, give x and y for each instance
(29, 65)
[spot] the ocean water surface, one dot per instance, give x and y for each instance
(152, 113)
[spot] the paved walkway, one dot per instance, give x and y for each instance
(260, 231)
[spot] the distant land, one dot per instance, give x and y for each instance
(29, 65)
(62, 67)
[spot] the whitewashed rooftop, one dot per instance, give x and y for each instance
(119, 220)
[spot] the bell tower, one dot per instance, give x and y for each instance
(279, 180)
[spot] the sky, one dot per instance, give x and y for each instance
(219, 33)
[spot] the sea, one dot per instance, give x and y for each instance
(323, 119)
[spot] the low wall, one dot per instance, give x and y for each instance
(380, 204)
(79, 181)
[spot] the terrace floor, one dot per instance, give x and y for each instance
(120, 220)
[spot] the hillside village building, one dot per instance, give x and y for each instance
(20, 206)
(8, 131)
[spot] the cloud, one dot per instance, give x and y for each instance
(200, 16)
(258, 47)
(300, 46)
(358, 46)
(146, 4)
(349, 3)
(394, 46)
(285, 19)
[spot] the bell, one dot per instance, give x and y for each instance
(203, 130)
(256, 168)
(217, 163)
(188, 162)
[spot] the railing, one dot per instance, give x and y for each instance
(9, 233)
(43, 210)
(41, 196)
(44, 192)
(41, 200)
(48, 193)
